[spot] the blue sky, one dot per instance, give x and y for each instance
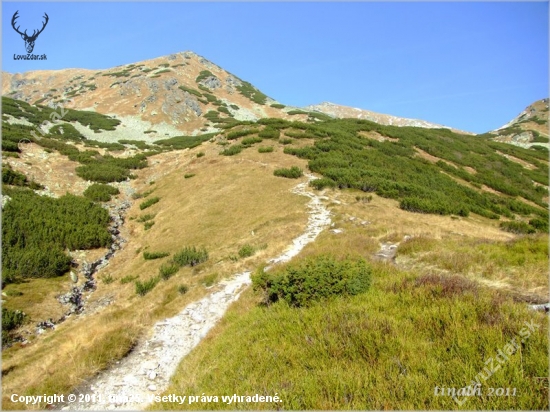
(469, 65)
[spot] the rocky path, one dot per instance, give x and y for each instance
(146, 371)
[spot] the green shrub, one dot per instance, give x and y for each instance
(200, 154)
(539, 224)
(240, 133)
(142, 288)
(247, 90)
(11, 319)
(149, 202)
(182, 289)
(142, 195)
(204, 74)
(293, 112)
(246, 251)
(517, 227)
(314, 279)
(265, 149)
(167, 270)
(321, 183)
(285, 141)
(190, 256)
(99, 192)
(293, 173)
(148, 225)
(188, 175)
(154, 255)
(278, 106)
(249, 141)
(269, 133)
(145, 218)
(232, 150)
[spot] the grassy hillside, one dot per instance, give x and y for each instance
(468, 217)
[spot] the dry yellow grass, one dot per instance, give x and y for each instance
(229, 202)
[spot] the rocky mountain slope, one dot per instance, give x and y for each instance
(168, 96)
(529, 128)
(341, 112)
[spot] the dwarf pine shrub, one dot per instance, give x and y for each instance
(293, 173)
(190, 256)
(314, 279)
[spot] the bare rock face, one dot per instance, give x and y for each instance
(212, 82)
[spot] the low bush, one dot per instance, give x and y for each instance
(182, 289)
(167, 270)
(265, 149)
(269, 133)
(190, 256)
(314, 279)
(293, 173)
(246, 251)
(148, 225)
(188, 175)
(155, 255)
(232, 150)
(149, 202)
(517, 227)
(99, 192)
(11, 319)
(142, 288)
(249, 141)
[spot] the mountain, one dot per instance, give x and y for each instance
(529, 128)
(171, 95)
(311, 261)
(341, 112)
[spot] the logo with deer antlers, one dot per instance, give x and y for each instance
(29, 40)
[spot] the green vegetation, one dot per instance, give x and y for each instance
(184, 142)
(188, 175)
(146, 218)
(38, 114)
(155, 255)
(292, 112)
(204, 75)
(387, 348)
(190, 256)
(249, 141)
(143, 194)
(246, 251)
(182, 289)
(34, 240)
(235, 134)
(190, 90)
(66, 132)
(11, 319)
(293, 173)
(278, 106)
(99, 192)
(269, 133)
(249, 91)
(517, 227)
(149, 202)
(142, 288)
(265, 149)
(148, 225)
(167, 270)
(313, 279)
(233, 150)
(13, 178)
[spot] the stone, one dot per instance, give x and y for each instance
(152, 388)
